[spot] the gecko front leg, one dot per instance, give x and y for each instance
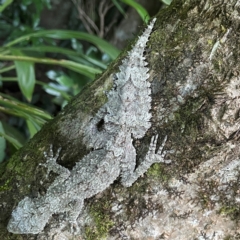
(52, 165)
(128, 178)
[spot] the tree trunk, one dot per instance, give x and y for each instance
(193, 56)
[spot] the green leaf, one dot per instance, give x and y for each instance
(65, 80)
(86, 60)
(26, 75)
(81, 58)
(14, 132)
(14, 107)
(33, 127)
(119, 7)
(2, 144)
(167, 2)
(5, 4)
(6, 69)
(12, 140)
(66, 34)
(77, 67)
(44, 85)
(139, 8)
(50, 88)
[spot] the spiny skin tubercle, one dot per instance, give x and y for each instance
(126, 114)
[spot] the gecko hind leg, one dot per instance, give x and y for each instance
(151, 157)
(75, 208)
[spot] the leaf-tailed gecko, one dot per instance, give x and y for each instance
(126, 115)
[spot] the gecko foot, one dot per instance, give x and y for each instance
(160, 155)
(52, 165)
(50, 156)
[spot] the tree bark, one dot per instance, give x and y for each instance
(193, 56)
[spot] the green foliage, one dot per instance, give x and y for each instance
(119, 7)
(20, 16)
(34, 117)
(66, 34)
(167, 2)
(141, 10)
(7, 137)
(26, 75)
(86, 65)
(5, 4)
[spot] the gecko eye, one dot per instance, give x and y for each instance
(100, 125)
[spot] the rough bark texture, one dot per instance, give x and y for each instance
(193, 55)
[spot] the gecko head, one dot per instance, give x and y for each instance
(27, 218)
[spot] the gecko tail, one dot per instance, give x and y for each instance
(27, 218)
